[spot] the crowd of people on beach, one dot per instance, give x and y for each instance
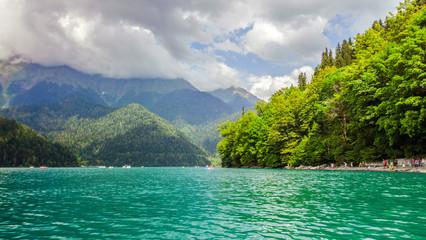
(391, 164)
(414, 163)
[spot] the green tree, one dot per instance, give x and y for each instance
(302, 81)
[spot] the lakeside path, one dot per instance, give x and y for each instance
(371, 169)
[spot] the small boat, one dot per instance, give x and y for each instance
(43, 167)
(126, 166)
(102, 167)
(110, 167)
(31, 166)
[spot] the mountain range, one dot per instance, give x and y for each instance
(63, 104)
(26, 83)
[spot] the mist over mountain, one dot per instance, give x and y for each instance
(47, 98)
(26, 83)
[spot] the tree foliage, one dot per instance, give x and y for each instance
(101, 135)
(21, 146)
(130, 135)
(365, 104)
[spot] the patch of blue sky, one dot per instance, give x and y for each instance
(234, 36)
(251, 64)
(338, 29)
(199, 46)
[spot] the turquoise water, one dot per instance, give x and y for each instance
(192, 203)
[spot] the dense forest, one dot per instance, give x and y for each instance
(46, 118)
(21, 146)
(365, 102)
(193, 107)
(130, 135)
(101, 135)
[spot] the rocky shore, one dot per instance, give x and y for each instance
(372, 168)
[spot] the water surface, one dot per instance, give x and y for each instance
(192, 203)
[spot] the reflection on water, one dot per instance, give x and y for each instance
(177, 203)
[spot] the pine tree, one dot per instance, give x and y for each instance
(346, 53)
(330, 59)
(338, 59)
(327, 59)
(302, 81)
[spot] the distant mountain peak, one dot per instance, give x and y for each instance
(236, 97)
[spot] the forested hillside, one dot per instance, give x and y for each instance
(366, 102)
(205, 135)
(56, 116)
(40, 97)
(21, 146)
(101, 135)
(193, 107)
(130, 135)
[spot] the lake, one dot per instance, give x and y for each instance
(192, 203)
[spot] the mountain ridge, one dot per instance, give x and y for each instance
(25, 83)
(18, 79)
(100, 135)
(21, 146)
(236, 97)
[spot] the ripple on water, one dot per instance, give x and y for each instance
(190, 203)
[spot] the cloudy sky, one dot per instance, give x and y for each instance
(261, 45)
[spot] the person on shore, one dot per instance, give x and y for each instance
(416, 163)
(345, 164)
(352, 164)
(384, 163)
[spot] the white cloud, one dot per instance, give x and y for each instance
(143, 38)
(212, 75)
(264, 86)
(283, 42)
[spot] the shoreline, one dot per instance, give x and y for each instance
(354, 169)
(366, 169)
